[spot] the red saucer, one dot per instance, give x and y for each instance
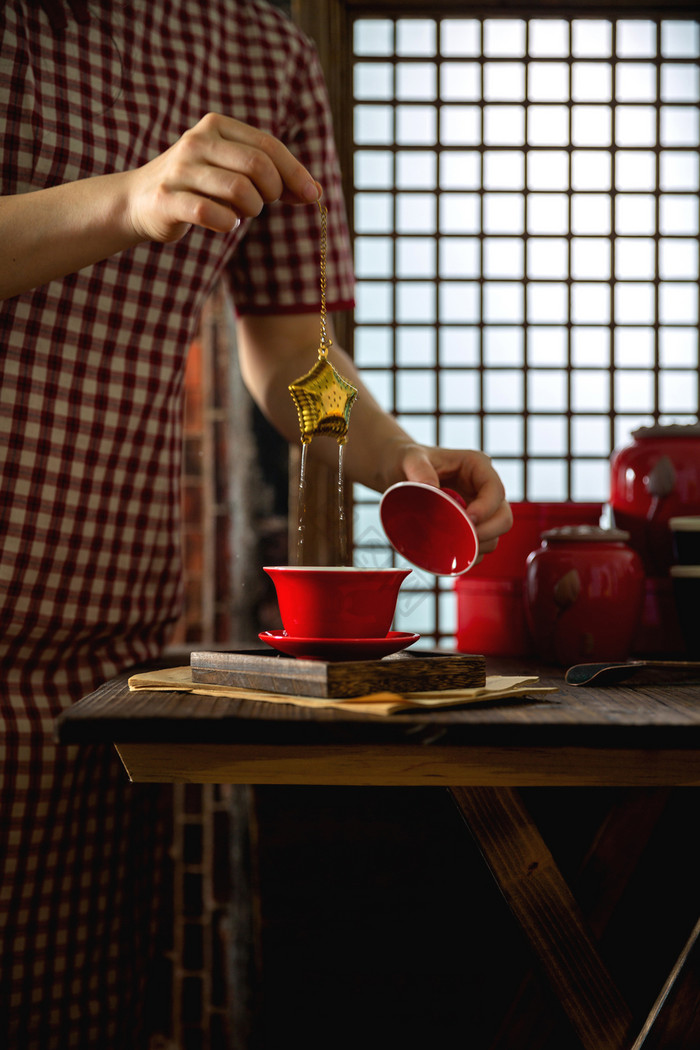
(338, 648)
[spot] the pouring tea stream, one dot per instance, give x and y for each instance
(323, 400)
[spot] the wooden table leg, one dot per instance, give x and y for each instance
(599, 885)
(544, 906)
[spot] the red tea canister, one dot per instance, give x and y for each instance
(584, 590)
(655, 478)
(491, 616)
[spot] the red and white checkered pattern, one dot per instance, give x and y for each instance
(90, 416)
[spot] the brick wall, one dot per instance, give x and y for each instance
(234, 520)
(205, 509)
(202, 894)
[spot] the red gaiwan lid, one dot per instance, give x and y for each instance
(429, 527)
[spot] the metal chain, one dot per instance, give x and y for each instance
(326, 343)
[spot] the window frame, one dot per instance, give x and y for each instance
(330, 24)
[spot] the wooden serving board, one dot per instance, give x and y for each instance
(400, 673)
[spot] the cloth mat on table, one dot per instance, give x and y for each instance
(497, 687)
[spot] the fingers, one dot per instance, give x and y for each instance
(489, 529)
(418, 467)
(272, 170)
(490, 512)
(217, 172)
(205, 211)
(472, 475)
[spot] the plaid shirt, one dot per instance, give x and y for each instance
(90, 427)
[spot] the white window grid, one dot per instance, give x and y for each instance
(525, 217)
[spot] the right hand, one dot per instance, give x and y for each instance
(217, 173)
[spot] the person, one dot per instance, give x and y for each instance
(149, 150)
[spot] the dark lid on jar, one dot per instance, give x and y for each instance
(585, 533)
(662, 430)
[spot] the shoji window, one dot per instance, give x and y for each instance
(525, 210)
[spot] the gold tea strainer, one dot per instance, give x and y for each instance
(322, 397)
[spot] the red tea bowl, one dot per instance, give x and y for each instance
(318, 601)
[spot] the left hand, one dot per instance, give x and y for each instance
(471, 474)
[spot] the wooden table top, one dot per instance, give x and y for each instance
(625, 715)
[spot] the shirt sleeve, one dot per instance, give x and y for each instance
(275, 268)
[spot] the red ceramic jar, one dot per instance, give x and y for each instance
(584, 590)
(654, 479)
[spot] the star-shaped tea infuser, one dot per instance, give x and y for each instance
(323, 398)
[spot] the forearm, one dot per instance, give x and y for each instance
(276, 351)
(49, 233)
